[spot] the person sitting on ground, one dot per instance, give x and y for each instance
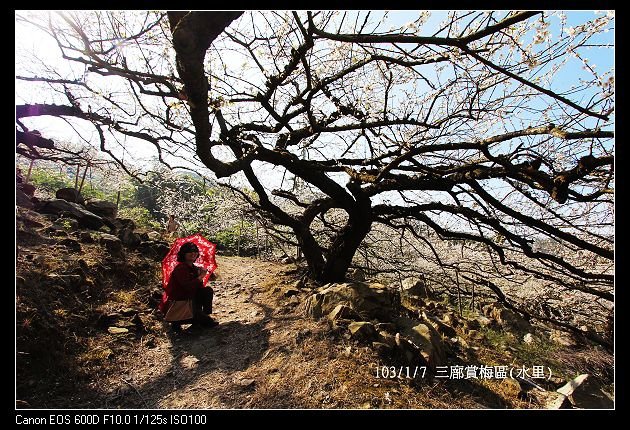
(186, 283)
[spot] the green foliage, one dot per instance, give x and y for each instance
(49, 180)
(537, 353)
(66, 224)
(228, 238)
(141, 216)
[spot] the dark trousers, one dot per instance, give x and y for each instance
(202, 306)
(203, 300)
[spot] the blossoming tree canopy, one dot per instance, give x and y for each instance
(494, 128)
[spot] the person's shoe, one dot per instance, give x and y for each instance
(176, 328)
(207, 322)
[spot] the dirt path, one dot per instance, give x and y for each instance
(209, 368)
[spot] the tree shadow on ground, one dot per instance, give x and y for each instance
(229, 347)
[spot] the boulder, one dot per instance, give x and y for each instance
(72, 281)
(66, 223)
(357, 275)
(425, 338)
(507, 318)
(70, 195)
(362, 330)
(370, 301)
(582, 392)
(71, 244)
(154, 249)
(343, 312)
(129, 238)
(21, 199)
(407, 353)
(443, 329)
(386, 338)
(86, 218)
(383, 350)
(413, 286)
(28, 189)
(387, 327)
(111, 242)
(102, 208)
(452, 319)
(589, 394)
(119, 224)
(86, 237)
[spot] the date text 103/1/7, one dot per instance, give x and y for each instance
(392, 372)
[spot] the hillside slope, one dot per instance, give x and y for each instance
(88, 336)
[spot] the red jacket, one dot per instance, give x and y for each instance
(183, 282)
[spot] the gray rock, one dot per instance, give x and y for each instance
(452, 319)
(507, 318)
(21, 199)
(71, 244)
(129, 238)
(343, 312)
(357, 274)
(407, 352)
(373, 301)
(28, 189)
(582, 392)
(86, 237)
(153, 249)
(70, 195)
(246, 383)
(362, 330)
(382, 349)
(442, 328)
(102, 208)
(387, 327)
(111, 242)
(66, 223)
(413, 286)
(426, 338)
(590, 395)
(71, 281)
(119, 224)
(386, 338)
(86, 218)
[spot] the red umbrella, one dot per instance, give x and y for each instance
(206, 260)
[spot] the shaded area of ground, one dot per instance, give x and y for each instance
(264, 353)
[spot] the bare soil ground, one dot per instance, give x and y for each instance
(265, 353)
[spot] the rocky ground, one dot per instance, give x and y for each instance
(88, 336)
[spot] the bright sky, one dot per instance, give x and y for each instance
(29, 39)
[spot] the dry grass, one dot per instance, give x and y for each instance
(294, 362)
